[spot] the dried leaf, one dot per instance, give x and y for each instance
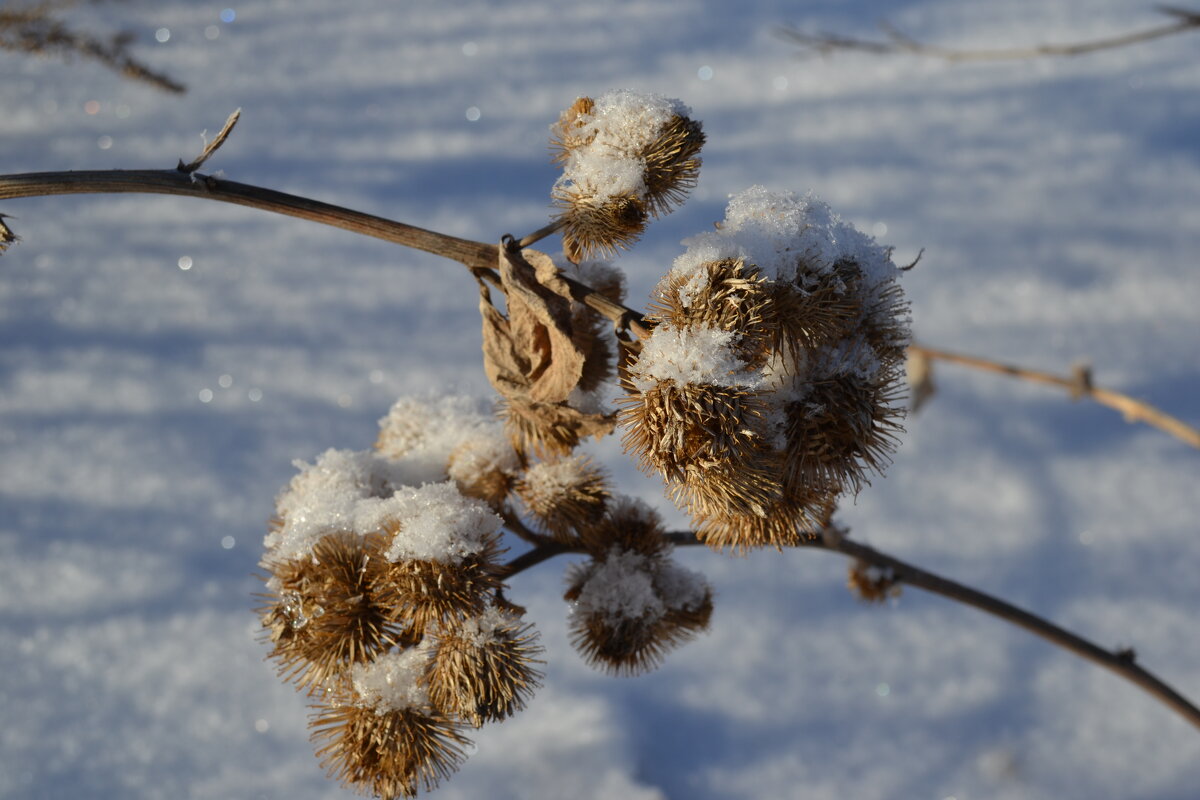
(539, 320)
(504, 369)
(535, 358)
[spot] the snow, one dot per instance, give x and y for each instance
(392, 681)
(1056, 204)
(617, 132)
(621, 586)
(335, 493)
(430, 430)
(437, 523)
(700, 355)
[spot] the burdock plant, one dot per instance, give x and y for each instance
(763, 387)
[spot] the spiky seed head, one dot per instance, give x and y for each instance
(750, 488)
(629, 525)
(844, 428)
(674, 426)
(430, 593)
(331, 610)
(482, 473)
(626, 157)
(564, 495)
(566, 134)
(597, 225)
(630, 609)
(870, 583)
(885, 325)
(730, 295)
(484, 668)
(672, 166)
(7, 237)
(619, 646)
(814, 311)
(388, 753)
(789, 522)
(551, 429)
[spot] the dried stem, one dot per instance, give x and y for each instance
(1122, 662)
(531, 558)
(898, 42)
(41, 184)
(1079, 386)
(515, 524)
(477, 256)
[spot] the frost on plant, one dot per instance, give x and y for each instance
(761, 390)
(626, 156)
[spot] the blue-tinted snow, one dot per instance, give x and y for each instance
(1056, 201)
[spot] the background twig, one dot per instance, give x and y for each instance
(34, 31)
(898, 42)
(1079, 386)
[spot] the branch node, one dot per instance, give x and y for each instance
(210, 147)
(1081, 381)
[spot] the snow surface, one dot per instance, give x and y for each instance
(164, 361)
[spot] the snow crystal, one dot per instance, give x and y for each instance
(621, 126)
(436, 523)
(482, 454)
(481, 630)
(425, 431)
(683, 589)
(851, 356)
(699, 355)
(593, 272)
(553, 478)
(329, 496)
(778, 232)
(393, 681)
(621, 587)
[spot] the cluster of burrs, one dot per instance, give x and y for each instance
(762, 389)
(768, 387)
(385, 588)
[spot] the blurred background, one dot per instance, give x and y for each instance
(164, 361)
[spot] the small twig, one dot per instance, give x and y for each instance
(540, 233)
(1080, 385)
(211, 147)
(531, 558)
(897, 42)
(515, 524)
(1120, 661)
(33, 31)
